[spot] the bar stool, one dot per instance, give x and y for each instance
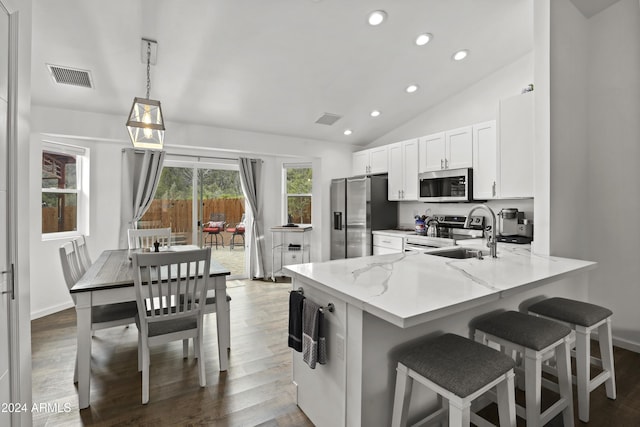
(458, 370)
(584, 318)
(536, 340)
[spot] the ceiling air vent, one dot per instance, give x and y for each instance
(70, 76)
(328, 119)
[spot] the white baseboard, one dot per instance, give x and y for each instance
(626, 344)
(50, 310)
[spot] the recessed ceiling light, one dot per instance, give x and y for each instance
(375, 113)
(377, 17)
(460, 55)
(348, 132)
(411, 88)
(423, 39)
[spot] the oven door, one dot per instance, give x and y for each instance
(452, 185)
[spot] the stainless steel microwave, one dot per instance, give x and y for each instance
(449, 185)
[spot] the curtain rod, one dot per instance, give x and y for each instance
(194, 156)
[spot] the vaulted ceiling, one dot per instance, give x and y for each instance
(275, 66)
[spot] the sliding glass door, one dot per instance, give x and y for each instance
(204, 205)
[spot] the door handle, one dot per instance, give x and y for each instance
(337, 220)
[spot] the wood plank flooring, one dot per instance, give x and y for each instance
(255, 391)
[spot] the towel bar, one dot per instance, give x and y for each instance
(330, 307)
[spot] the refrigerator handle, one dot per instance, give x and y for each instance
(337, 220)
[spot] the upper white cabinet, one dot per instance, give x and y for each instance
(403, 170)
(515, 146)
(485, 172)
(371, 161)
(446, 150)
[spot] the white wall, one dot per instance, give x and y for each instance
(613, 129)
(105, 136)
(475, 104)
(569, 147)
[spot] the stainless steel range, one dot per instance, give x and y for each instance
(450, 229)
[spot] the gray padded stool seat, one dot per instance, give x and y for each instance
(571, 311)
(583, 318)
(459, 370)
(536, 339)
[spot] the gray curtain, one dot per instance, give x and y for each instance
(250, 178)
(141, 171)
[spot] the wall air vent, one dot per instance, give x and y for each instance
(328, 119)
(70, 76)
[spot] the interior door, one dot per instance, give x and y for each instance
(5, 265)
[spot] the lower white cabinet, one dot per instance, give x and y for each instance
(384, 244)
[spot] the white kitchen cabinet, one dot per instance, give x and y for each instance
(403, 171)
(485, 168)
(515, 146)
(431, 148)
(452, 149)
(385, 244)
(371, 161)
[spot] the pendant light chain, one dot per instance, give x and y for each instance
(148, 69)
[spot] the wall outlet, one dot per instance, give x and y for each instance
(340, 347)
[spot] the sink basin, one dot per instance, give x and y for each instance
(461, 253)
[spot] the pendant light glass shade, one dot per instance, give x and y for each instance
(146, 124)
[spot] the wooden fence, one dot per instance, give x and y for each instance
(177, 214)
(50, 219)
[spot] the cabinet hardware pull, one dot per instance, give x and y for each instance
(446, 163)
(493, 189)
(441, 164)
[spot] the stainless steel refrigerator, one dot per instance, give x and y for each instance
(359, 205)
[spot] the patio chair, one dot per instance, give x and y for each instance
(236, 231)
(216, 224)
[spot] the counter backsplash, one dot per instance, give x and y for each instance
(408, 210)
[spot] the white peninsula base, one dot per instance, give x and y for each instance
(386, 303)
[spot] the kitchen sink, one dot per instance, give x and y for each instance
(461, 253)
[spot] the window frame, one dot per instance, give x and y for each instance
(286, 194)
(82, 156)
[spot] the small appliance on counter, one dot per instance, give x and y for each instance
(514, 227)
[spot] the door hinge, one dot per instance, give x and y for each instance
(10, 282)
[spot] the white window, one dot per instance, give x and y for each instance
(298, 181)
(65, 190)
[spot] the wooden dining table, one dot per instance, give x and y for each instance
(109, 280)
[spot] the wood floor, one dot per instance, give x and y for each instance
(255, 391)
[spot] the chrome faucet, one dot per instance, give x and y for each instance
(491, 238)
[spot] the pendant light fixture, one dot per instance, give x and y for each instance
(145, 123)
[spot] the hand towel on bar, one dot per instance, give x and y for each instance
(313, 335)
(322, 341)
(296, 300)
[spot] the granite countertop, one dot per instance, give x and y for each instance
(410, 288)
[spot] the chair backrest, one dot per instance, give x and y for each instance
(70, 265)
(218, 216)
(163, 279)
(82, 251)
(145, 238)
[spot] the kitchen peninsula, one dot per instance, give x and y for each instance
(385, 303)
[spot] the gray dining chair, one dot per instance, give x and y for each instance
(169, 277)
(146, 237)
(102, 316)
